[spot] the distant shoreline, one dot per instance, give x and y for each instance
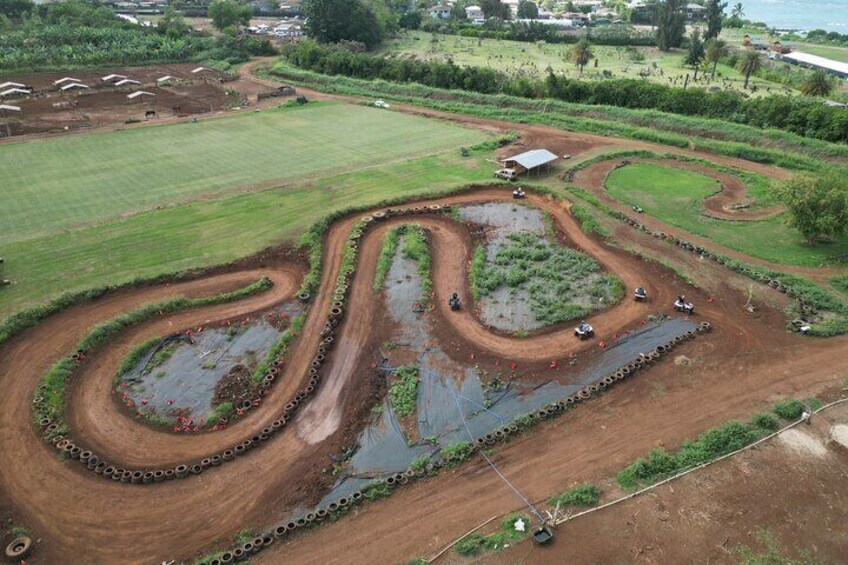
(798, 15)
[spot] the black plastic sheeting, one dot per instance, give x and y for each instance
(448, 390)
(186, 381)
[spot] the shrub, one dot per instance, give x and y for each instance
(471, 544)
(789, 409)
(581, 495)
(222, 410)
(557, 278)
(765, 421)
(415, 248)
(376, 491)
(404, 391)
(713, 443)
(588, 222)
(387, 254)
(457, 453)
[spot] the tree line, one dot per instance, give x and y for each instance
(801, 115)
(78, 33)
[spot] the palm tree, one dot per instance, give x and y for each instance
(716, 49)
(817, 84)
(748, 64)
(737, 11)
(581, 53)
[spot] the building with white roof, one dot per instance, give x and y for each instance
(815, 62)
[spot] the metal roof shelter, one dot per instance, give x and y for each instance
(66, 79)
(126, 81)
(12, 85)
(12, 91)
(164, 78)
(109, 78)
(72, 85)
(810, 60)
(138, 93)
(199, 69)
(529, 160)
(7, 107)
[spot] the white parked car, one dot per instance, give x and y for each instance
(506, 174)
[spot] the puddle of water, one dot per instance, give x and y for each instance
(185, 383)
(453, 405)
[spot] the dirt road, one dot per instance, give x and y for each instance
(747, 362)
(739, 366)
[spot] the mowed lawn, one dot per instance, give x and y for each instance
(675, 196)
(66, 182)
(209, 232)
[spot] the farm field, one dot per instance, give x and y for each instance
(209, 232)
(360, 381)
(517, 58)
(72, 181)
(676, 196)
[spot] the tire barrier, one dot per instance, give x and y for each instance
(19, 548)
(742, 269)
(181, 471)
(63, 444)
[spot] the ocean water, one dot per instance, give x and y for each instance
(831, 15)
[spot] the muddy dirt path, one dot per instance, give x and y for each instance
(593, 179)
(730, 201)
(742, 362)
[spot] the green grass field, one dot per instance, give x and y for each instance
(674, 196)
(67, 182)
(210, 232)
(519, 58)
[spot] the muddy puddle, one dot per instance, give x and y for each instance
(458, 402)
(179, 377)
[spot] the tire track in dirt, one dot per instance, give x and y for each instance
(71, 508)
(593, 178)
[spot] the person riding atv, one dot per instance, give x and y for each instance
(453, 301)
(640, 294)
(584, 330)
(681, 305)
(518, 193)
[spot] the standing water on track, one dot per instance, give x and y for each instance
(456, 402)
(180, 377)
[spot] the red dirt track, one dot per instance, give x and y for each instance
(746, 362)
(70, 508)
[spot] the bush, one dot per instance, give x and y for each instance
(765, 421)
(471, 544)
(587, 220)
(416, 249)
(558, 279)
(789, 409)
(713, 443)
(457, 453)
(581, 495)
(387, 254)
(404, 391)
